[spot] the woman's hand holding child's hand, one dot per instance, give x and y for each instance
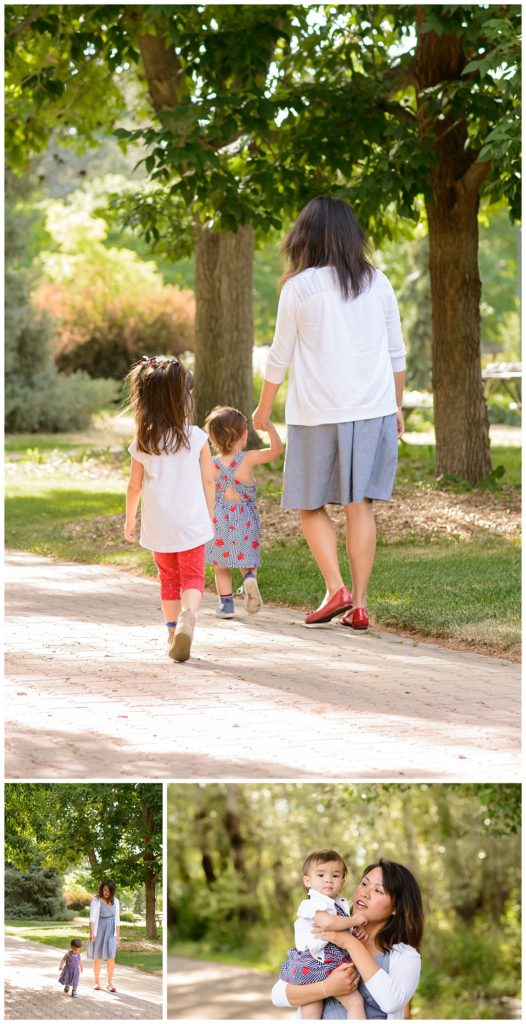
(260, 420)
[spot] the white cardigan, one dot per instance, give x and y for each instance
(94, 911)
(392, 991)
(342, 353)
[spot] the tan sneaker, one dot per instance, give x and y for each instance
(170, 639)
(251, 596)
(184, 632)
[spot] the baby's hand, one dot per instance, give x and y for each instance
(357, 919)
(323, 919)
(360, 933)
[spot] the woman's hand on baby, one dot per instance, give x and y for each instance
(342, 981)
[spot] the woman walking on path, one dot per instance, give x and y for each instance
(172, 475)
(386, 964)
(104, 931)
(338, 329)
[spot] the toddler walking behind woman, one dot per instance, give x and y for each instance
(71, 968)
(172, 475)
(237, 533)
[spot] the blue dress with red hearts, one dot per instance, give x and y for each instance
(237, 530)
(302, 968)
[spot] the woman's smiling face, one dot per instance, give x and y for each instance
(371, 899)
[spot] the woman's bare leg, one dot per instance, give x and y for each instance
(361, 547)
(110, 967)
(96, 971)
(320, 534)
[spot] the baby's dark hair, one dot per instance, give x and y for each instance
(322, 857)
(225, 426)
(76, 943)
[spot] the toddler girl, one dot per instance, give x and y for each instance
(324, 873)
(71, 968)
(236, 541)
(173, 476)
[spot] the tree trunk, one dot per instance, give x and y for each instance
(224, 322)
(461, 421)
(150, 873)
(149, 885)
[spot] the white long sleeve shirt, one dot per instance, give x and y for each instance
(342, 353)
(303, 937)
(392, 990)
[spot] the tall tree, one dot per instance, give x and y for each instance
(419, 103)
(117, 827)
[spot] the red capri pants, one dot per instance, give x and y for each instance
(180, 570)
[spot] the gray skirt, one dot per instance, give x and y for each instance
(340, 463)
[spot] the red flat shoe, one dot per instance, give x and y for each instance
(340, 602)
(356, 618)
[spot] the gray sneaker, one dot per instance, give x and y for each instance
(184, 632)
(225, 608)
(251, 596)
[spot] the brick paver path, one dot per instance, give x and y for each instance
(202, 990)
(32, 991)
(92, 693)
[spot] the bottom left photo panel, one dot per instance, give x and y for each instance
(83, 901)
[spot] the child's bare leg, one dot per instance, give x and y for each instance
(312, 1011)
(171, 610)
(224, 582)
(353, 1003)
(191, 600)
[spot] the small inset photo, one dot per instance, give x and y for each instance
(344, 901)
(83, 901)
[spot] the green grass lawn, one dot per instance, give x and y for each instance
(60, 933)
(70, 505)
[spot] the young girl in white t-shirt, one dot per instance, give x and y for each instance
(172, 475)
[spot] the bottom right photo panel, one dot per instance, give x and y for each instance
(344, 900)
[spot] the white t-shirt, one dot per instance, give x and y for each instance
(174, 513)
(342, 353)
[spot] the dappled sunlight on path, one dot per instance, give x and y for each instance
(93, 694)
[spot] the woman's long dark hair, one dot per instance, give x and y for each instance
(407, 923)
(111, 886)
(327, 234)
(161, 399)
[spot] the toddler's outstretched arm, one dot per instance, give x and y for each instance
(257, 456)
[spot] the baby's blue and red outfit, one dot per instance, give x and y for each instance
(302, 968)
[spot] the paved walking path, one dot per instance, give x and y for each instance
(202, 990)
(32, 991)
(92, 693)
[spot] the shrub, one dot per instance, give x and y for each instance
(77, 897)
(110, 307)
(35, 893)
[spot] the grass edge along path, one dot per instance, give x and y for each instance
(147, 961)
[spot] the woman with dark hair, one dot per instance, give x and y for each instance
(338, 330)
(104, 931)
(387, 960)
